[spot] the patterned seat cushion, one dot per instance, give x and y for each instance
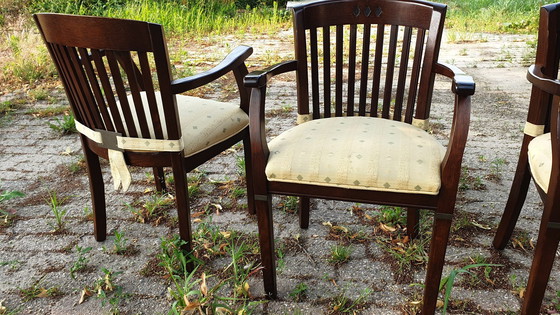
(358, 152)
(203, 122)
(540, 160)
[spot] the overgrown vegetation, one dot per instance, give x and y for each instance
(494, 16)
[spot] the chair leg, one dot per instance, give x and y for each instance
(304, 212)
(182, 202)
(97, 190)
(517, 195)
(412, 222)
(159, 178)
(266, 241)
(249, 176)
(543, 259)
(436, 259)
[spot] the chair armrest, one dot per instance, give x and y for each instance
(463, 84)
(536, 77)
(236, 58)
(463, 87)
(259, 78)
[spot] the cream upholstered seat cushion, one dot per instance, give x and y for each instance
(358, 152)
(540, 160)
(203, 122)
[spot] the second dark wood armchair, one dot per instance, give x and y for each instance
(129, 109)
(539, 159)
(365, 75)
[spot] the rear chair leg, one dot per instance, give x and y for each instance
(159, 178)
(436, 259)
(182, 201)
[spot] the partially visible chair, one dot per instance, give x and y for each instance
(539, 158)
(128, 109)
(363, 108)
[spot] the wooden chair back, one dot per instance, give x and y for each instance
(104, 61)
(366, 60)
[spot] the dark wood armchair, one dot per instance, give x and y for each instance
(540, 159)
(365, 75)
(129, 109)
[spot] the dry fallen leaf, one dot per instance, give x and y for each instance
(203, 286)
(387, 228)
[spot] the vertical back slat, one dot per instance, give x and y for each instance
(327, 70)
(339, 67)
(364, 70)
(150, 94)
(377, 69)
(60, 56)
(314, 70)
(403, 71)
(108, 90)
(101, 105)
(351, 70)
(415, 74)
(121, 93)
(81, 87)
(388, 88)
(134, 84)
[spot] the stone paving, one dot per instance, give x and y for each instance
(34, 159)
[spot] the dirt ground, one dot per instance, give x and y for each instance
(34, 159)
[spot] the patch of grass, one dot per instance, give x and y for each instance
(448, 281)
(343, 304)
(407, 253)
(49, 111)
(289, 204)
(28, 61)
(153, 209)
(55, 202)
(120, 243)
(339, 254)
(105, 289)
(392, 216)
(6, 215)
(38, 290)
(64, 126)
(81, 262)
(468, 181)
(299, 292)
(494, 16)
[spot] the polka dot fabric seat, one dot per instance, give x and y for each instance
(358, 152)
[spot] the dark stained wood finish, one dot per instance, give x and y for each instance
(386, 67)
(544, 101)
(103, 61)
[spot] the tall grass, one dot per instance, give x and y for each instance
(193, 17)
(494, 16)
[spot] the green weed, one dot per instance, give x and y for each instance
(64, 126)
(343, 304)
(299, 292)
(448, 281)
(6, 214)
(38, 290)
(55, 202)
(81, 261)
(339, 254)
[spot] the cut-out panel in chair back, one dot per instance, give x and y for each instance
(367, 58)
(106, 67)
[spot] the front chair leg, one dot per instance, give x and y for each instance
(182, 202)
(436, 259)
(97, 190)
(543, 260)
(249, 177)
(263, 205)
